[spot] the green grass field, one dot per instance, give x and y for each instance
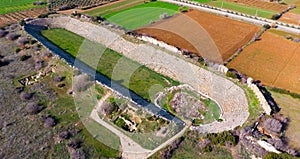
(128, 73)
(239, 8)
(290, 107)
(8, 6)
(243, 9)
(141, 15)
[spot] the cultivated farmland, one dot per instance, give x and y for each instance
(290, 18)
(15, 17)
(272, 62)
(183, 31)
(8, 6)
(244, 8)
(262, 4)
(142, 15)
(259, 8)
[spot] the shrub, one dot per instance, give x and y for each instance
(38, 64)
(221, 138)
(197, 122)
(288, 37)
(22, 22)
(49, 122)
(23, 40)
(207, 148)
(2, 33)
(64, 135)
(77, 154)
(296, 40)
(26, 96)
(272, 155)
(32, 41)
(18, 50)
(283, 91)
(121, 123)
(45, 15)
(231, 75)
(267, 26)
(75, 143)
(12, 36)
(33, 108)
(81, 83)
(24, 57)
(3, 63)
(276, 16)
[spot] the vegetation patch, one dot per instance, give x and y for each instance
(143, 14)
(190, 105)
(195, 145)
(8, 6)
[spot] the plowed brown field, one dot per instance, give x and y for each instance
(202, 33)
(290, 18)
(274, 60)
(15, 17)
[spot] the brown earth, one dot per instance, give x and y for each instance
(262, 4)
(214, 37)
(15, 17)
(274, 60)
(290, 18)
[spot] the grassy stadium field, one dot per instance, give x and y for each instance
(110, 62)
(141, 15)
(8, 6)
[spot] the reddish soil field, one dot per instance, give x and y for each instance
(290, 18)
(15, 17)
(214, 37)
(262, 4)
(274, 60)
